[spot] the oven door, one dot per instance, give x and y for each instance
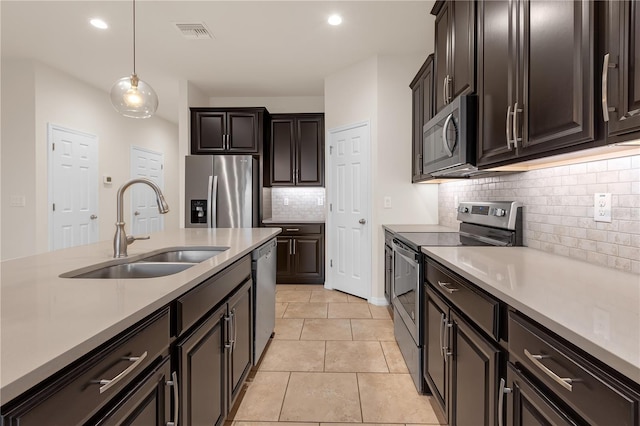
(406, 287)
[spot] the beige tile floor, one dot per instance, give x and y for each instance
(333, 361)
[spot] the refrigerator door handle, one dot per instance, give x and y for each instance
(209, 190)
(213, 196)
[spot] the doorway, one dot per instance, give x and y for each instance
(349, 217)
(145, 218)
(73, 187)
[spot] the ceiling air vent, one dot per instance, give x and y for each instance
(193, 31)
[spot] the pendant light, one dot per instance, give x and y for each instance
(131, 96)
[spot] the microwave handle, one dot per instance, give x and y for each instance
(445, 142)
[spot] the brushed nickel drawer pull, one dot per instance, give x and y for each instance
(562, 381)
(447, 289)
(292, 229)
(108, 383)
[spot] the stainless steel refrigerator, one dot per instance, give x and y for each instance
(221, 191)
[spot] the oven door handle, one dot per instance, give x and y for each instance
(408, 254)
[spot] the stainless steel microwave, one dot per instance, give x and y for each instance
(449, 140)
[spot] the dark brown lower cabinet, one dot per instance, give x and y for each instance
(300, 250)
(214, 360)
(461, 366)
(147, 404)
(529, 406)
(474, 365)
(202, 366)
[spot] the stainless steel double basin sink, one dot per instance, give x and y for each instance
(159, 264)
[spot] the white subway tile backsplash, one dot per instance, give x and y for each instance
(558, 213)
(302, 203)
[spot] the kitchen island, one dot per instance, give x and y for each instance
(48, 322)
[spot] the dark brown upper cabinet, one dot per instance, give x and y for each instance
(620, 71)
(297, 150)
(422, 111)
(536, 74)
(455, 48)
(227, 130)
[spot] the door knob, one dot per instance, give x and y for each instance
(93, 217)
(136, 213)
(362, 221)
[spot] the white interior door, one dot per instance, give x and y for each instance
(73, 187)
(349, 213)
(145, 217)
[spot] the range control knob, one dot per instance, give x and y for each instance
(500, 212)
(463, 209)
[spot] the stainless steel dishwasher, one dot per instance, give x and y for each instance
(264, 296)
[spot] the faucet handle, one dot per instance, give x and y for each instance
(131, 238)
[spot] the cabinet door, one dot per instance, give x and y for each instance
(388, 271)
(202, 373)
(557, 93)
(309, 151)
(147, 404)
(463, 48)
(441, 56)
(474, 375)
(530, 406)
(417, 110)
(284, 268)
(242, 131)
(623, 47)
(241, 330)
(208, 132)
(282, 151)
(494, 81)
(435, 371)
(308, 258)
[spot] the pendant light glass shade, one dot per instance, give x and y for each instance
(134, 98)
(131, 96)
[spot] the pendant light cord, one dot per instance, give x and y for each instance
(134, 36)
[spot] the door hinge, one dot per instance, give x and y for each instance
(330, 207)
(161, 166)
(331, 263)
(53, 146)
(54, 207)
(330, 149)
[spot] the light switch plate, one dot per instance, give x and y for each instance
(602, 207)
(286, 201)
(387, 202)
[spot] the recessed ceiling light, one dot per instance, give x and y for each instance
(335, 20)
(99, 23)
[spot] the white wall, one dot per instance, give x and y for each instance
(377, 90)
(275, 105)
(63, 100)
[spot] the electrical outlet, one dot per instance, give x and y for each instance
(17, 201)
(602, 207)
(321, 201)
(387, 202)
(286, 201)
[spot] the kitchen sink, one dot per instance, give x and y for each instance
(137, 270)
(185, 255)
(159, 264)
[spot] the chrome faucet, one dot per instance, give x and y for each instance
(121, 240)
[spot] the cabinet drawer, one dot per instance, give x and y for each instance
(206, 296)
(293, 229)
(479, 307)
(75, 396)
(593, 394)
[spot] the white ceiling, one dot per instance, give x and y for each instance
(260, 48)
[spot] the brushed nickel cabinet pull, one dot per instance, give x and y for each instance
(508, 128)
(176, 398)
(516, 139)
(445, 287)
(503, 390)
(108, 383)
(605, 86)
(562, 381)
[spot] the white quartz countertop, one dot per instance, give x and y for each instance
(595, 308)
(46, 322)
(418, 228)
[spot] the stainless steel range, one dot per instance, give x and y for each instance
(495, 223)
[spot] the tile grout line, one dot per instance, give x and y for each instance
(286, 388)
(386, 361)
